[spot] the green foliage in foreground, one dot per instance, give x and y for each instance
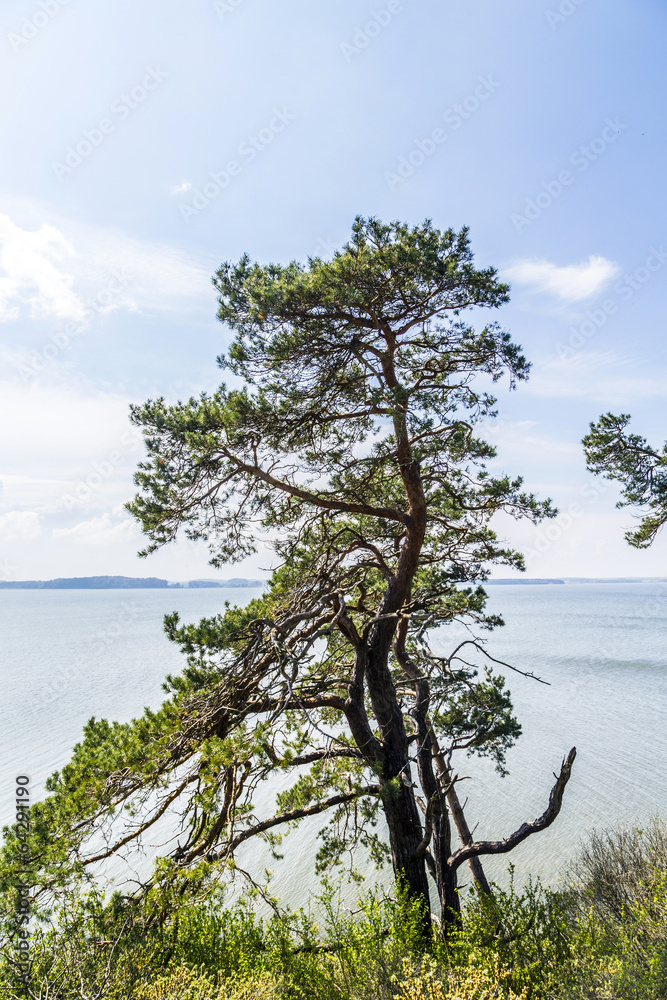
(604, 936)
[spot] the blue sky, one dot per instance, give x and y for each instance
(142, 144)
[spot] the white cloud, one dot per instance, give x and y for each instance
(99, 531)
(181, 188)
(19, 524)
(571, 283)
(160, 277)
(521, 436)
(70, 271)
(36, 271)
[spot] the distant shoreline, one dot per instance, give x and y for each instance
(123, 583)
(577, 579)
(155, 583)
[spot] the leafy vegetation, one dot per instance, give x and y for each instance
(602, 937)
(614, 453)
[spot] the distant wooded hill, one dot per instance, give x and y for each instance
(154, 582)
(578, 579)
(120, 583)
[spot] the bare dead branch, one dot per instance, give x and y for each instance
(526, 829)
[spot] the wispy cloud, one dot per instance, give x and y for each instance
(603, 377)
(571, 283)
(520, 436)
(19, 524)
(60, 436)
(99, 531)
(60, 271)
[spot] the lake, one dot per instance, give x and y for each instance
(68, 655)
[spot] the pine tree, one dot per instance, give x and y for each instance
(349, 443)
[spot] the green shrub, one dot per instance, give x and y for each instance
(615, 866)
(431, 982)
(186, 984)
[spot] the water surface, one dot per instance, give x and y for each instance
(69, 655)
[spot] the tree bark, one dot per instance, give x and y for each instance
(398, 797)
(462, 828)
(465, 836)
(400, 806)
(390, 756)
(405, 839)
(438, 831)
(450, 903)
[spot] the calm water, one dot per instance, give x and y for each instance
(69, 655)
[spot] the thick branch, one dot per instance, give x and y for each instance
(456, 809)
(428, 828)
(390, 513)
(545, 820)
(313, 757)
(269, 704)
(295, 814)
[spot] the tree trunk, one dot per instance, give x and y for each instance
(435, 791)
(465, 835)
(398, 797)
(438, 830)
(462, 828)
(390, 755)
(445, 877)
(405, 838)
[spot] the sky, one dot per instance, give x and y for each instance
(142, 144)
